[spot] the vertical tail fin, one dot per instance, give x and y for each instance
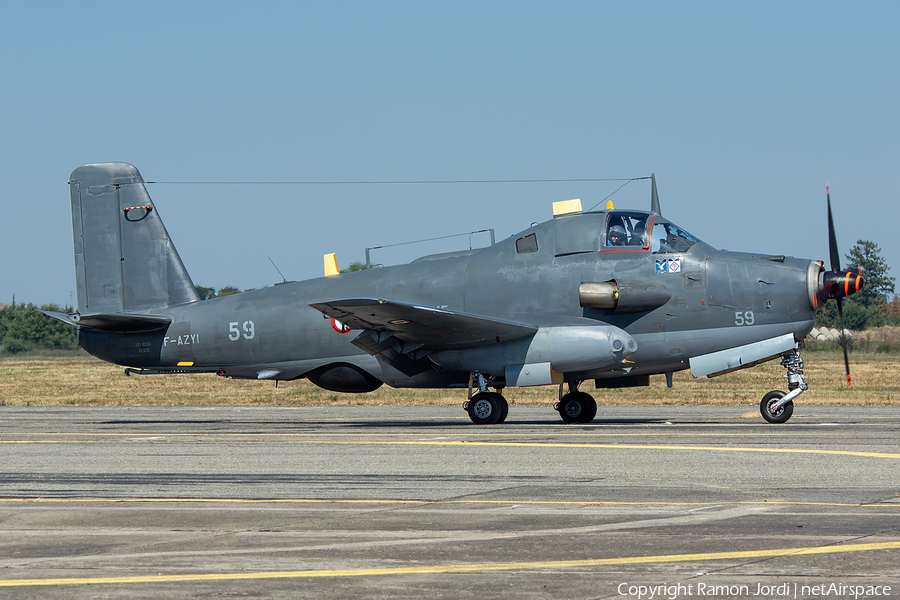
(124, 259)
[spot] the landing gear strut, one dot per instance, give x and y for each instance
(485, 407)
(776, 406)
(575, 406)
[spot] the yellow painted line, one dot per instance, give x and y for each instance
(466, 568)
(213, 500)
(436, 502)
(510, 445)
(559, 433)
(613, 446)
(49, 442)
(661, 503)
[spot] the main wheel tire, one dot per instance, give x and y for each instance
(504, 407)
(588, 408)
(483, 408)
(577, 407)
(779, 415)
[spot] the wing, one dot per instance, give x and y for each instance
(402, 334)
(436, 328)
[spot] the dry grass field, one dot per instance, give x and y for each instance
(87, 382)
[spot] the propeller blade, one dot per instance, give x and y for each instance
(844, 340)
(832, 237)
(838, 284)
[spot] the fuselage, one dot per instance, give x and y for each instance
(711, 300)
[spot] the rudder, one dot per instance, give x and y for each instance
(124, 259)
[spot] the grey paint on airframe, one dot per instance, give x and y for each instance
(432, 322)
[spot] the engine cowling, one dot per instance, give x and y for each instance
(623, 295)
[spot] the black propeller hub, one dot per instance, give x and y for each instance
(839, 284)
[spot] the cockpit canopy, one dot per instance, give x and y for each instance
(628, 230)
(609, 231)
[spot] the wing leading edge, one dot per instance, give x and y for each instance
(402, 334)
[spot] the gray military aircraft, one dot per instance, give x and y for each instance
(612, 296)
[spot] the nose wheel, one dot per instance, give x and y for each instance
(770, 409)
(776, 406)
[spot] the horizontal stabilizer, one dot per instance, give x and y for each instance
(426, 326)
(121, 323)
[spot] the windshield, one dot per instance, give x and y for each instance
(668, 238)
(628, 230)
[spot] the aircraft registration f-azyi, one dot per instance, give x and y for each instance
(613, 296)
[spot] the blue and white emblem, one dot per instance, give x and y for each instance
(675, 265)
(662, 266)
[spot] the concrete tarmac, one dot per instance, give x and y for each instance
(417, 502)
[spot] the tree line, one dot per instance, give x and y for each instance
(208, 293)
(24, 328)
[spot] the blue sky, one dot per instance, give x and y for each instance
(743, 111)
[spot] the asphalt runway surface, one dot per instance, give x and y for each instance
(417, 502)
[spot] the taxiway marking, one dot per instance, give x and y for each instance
(610, 446)
(587, 431)
(761, 503)
(503, 445)
(466, 568)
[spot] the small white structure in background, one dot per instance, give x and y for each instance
(828, 335)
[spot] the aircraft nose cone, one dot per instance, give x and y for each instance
(838, 284)
(852, 282)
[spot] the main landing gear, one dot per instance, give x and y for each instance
(490, 408)
(575, 406)
(776, 406)
(485, 408)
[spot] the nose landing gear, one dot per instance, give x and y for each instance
(776, 406)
